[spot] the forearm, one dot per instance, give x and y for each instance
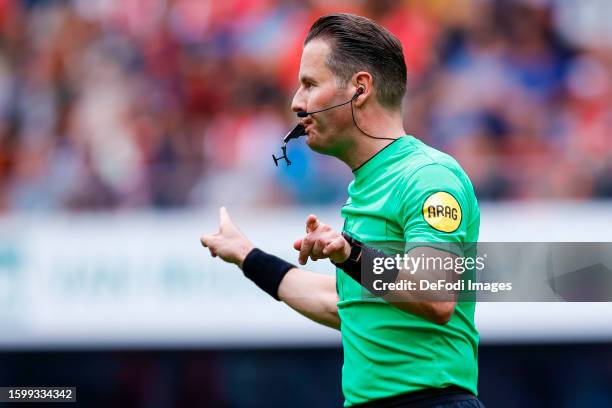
(312, 295)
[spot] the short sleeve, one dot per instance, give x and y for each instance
(433, 206)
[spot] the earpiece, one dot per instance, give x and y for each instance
(359, 91)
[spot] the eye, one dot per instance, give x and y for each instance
(307, 83)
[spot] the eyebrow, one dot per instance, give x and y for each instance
(306, 78)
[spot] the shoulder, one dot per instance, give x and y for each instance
(435, 198)
(426, 167)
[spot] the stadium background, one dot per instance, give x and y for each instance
(125, 123)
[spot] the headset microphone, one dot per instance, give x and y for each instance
(359, 91)
(298, 130)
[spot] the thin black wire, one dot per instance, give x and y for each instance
(368, 135)
(332, 107)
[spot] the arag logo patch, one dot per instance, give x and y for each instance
(442, 211)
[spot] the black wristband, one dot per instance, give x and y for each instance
(352, 266)
(265, 270)
(360, 266)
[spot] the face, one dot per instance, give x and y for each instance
(319, 90)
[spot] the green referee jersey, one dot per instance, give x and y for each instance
(407, 192)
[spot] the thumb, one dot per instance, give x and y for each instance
(224, 218)
(333, 246)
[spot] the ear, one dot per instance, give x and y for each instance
(364, 80)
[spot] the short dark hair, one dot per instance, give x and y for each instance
(359, 44)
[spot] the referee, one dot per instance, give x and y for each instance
(401, 349)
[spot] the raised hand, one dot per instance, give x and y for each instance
(229, 243)
(320, 242)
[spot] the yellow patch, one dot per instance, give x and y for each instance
(442, 211)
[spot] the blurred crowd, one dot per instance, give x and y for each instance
(120, 104)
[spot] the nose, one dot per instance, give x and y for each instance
(298, 103)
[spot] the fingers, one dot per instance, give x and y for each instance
(312, 223)
(310, 248)
(210, 242)
(305, 250)
(318, 237)
(297, 245)
(206, 240)
(317, 250)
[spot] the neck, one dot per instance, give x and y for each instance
(379, 123)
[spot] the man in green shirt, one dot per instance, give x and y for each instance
(401, 348)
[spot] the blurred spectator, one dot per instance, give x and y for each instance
(104, 106)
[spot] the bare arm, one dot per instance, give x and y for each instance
(312, 295)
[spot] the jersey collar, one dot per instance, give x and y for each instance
(379, 157)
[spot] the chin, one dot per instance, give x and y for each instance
(313, 141)
(315, 144)
(310, 141)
